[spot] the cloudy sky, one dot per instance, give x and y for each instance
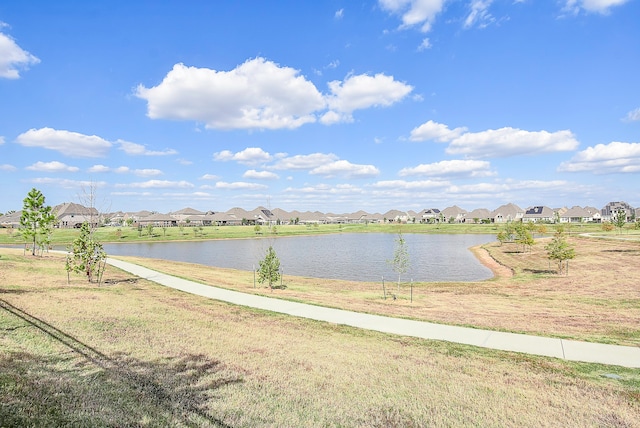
(332, 105)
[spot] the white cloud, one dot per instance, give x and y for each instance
(239, 185)
(209, 177)
(479, 15)
(147, 172)
(361, 92)
(615, 157)
(339, 14)
(67, 184)
(13, 58)
(99, 168)
(346, 169)
(7, 167)
(414, 12)
(597, 6)
(470, 168)
(426, 44)
(503, 142)
(302, 162)
(140, 150)
(68, 143)
(53, 166)
(410, 185)
(435, 131)
(158, 184)
(122, 170)
(632, 116)
(258, 94)
(248, 156)
(260, 175)
(1, 140)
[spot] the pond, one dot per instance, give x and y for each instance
(348, 256)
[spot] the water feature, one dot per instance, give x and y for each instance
(349, 256)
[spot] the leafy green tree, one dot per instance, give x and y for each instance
(523, 236)
(620, 219)
(560, 250)
(150, 230)
(269, 268)
(400, 262)
(36, 220)
(86, 255)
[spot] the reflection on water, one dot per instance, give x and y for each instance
(349, 256)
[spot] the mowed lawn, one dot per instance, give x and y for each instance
(133, 353)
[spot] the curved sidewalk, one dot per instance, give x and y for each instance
(626, 356)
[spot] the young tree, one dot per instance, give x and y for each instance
(400, 262)
(269, 269)
(86, 255)
(523, 236)
(36, 220)
(560, 250)
(620, 219)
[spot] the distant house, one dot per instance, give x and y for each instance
(70, 215)
(479, 215)
(431, 215)
(613, 208)
(183, 214)
(11, 221)
(507, 213)
(539, 214)
(576, 215)
(453, 214)
(158, 220)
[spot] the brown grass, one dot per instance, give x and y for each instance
(599, 300)
(138, 354)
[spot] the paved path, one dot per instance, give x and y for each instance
(571, 350)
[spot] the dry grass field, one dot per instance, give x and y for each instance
(599, 300)
(132, 353)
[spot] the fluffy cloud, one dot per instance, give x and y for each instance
(503, 142)
(260, 175)
(361, 92)
(346, 169)
(435, 131)
(470, 168)
(68, 143)
(158, 184)
(67, 184)
(479, 14)
(54, 166)
(239, 185)
(410, 185)
(258, 94)
(147, 172)
(305, 162)
(597, 6)
(140, 150)
(13, 58)
(7, 167)
(633, 116)
(414, 12)
(99, 168)
(615, 157)
(248, 156)
(1, 140)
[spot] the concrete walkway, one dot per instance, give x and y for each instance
(571, 350)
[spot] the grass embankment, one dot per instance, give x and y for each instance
(132, 353)
(598, 301)
(131, 234)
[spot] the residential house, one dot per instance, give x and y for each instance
(182, 215)
(539, 214)
(11, 221)
(479, 215)
(612, 208)
(71, 215)
(431, 215)
(158, 220)
(576, 214)
(507, 213)
(453, 214)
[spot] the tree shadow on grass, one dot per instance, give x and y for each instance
(84, 387)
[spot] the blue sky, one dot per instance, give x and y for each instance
(333, 106)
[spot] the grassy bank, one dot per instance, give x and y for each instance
(131, 234)
(131, 353)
